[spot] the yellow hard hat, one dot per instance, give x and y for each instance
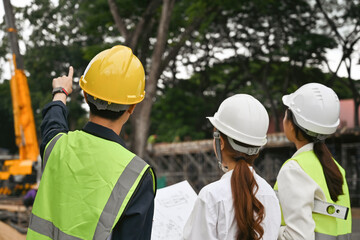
(115, 75)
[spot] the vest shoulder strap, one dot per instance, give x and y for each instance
(49, 147)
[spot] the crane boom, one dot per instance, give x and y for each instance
(24, 124)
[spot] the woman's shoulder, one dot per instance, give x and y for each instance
(290, 164)
(216, 191)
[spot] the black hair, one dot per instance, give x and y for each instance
(333, 176)
(107, 114)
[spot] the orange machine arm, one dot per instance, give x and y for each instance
(25, 130)
(24, 123)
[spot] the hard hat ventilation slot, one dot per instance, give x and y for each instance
(317, 93)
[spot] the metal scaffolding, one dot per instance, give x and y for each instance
(195, 161)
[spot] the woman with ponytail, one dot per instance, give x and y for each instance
(312, 174)
(241, 205)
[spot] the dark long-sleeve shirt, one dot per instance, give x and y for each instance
(136, 221)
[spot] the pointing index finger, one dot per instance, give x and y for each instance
(71, 72)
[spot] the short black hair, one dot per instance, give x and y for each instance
(107, 114)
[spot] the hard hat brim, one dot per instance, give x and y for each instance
(286, 99)
(240, 137)
(315, 127)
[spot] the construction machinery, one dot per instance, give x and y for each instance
(18, 175)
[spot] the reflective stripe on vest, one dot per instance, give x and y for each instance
(116, 199)
(48, 229)
(107, 217)
(321, 236)
(322, 207)
(48, 150)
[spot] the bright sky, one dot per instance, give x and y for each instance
(333, 55)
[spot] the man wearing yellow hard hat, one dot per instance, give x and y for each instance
(92, 187)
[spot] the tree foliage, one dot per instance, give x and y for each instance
(181, 107)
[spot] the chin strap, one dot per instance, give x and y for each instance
(216, 136)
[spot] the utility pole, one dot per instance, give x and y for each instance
(12, 33)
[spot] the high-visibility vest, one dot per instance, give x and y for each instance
(326, 227)
(83, 191)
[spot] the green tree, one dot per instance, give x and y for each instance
(181, 107)
(341, 21)
(55, 43)
(157, 31)
(261, 35)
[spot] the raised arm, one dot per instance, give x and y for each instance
(55, 113)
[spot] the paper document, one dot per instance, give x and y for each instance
(173, 205)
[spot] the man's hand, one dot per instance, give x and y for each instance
(64, 82)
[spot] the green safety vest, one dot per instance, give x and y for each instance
(83, 191)
(326, 227)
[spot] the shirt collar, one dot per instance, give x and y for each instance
(305, 148)
(103, 132)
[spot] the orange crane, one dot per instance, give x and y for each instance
(15, 173)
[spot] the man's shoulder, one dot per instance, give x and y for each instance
(149, 176)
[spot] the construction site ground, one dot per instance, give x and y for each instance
(14, 219)
(9, 233)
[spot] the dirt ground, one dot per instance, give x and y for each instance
(8, 233)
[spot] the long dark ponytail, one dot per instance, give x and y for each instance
(249, 212)
(333, 176)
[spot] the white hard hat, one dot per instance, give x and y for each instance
(242, 118)
(315, 107)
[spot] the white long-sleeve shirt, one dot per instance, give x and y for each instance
(213, 214)
(296, 192)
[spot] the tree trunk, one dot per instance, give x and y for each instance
(142, 115)
(269, 96)
(140, 121)
(119, 23)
